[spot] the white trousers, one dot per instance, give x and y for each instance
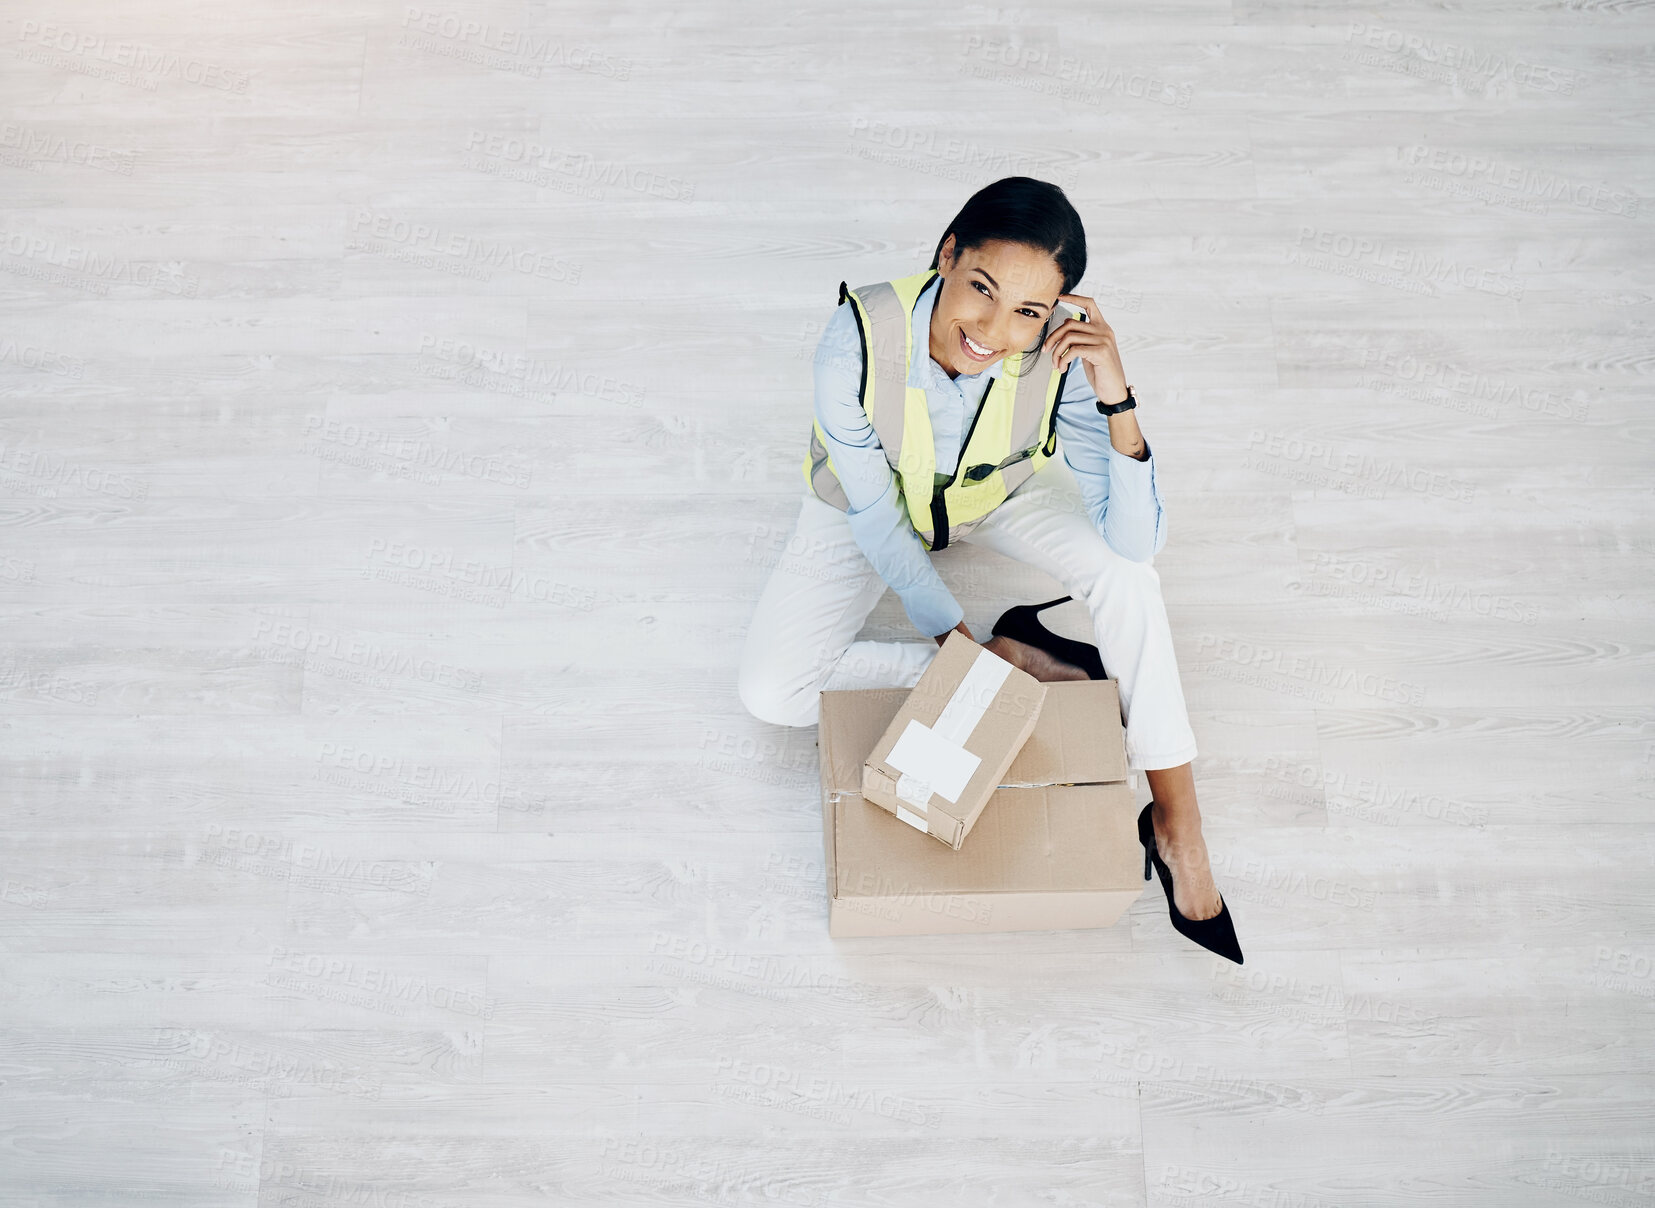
(802, 640)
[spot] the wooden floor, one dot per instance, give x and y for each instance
(400, 411)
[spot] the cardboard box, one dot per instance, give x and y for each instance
(1057, 847)
(952, 740)
(1078, 739)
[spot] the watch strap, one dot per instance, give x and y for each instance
(1116, 408)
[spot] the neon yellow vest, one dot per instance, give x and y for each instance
(1013, 434)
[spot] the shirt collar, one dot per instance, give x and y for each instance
(924, 370)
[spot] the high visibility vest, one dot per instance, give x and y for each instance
(1012, 435)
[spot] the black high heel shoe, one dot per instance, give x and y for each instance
(1217, 934)
(1022, 624)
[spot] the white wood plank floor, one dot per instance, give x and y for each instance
(401, 408)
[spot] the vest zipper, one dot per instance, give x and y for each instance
(939, 506)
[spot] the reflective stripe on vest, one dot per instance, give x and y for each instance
(1012, 435)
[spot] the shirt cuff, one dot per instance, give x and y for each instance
(934, 611)
(1132, 482)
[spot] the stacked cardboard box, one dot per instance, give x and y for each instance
(1054, 842)
(957, 732)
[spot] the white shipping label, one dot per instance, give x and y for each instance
(976, 692)
(933, 760)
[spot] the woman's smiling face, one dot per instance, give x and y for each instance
(994, 300)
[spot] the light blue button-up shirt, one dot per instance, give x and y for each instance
(1120, 493)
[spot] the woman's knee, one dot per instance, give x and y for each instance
(1142, 575)
(771, 698)
(1119, 576)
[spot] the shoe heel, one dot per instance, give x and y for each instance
(1146, 836)
(1040, 608)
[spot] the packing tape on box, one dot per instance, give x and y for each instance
(933, 759)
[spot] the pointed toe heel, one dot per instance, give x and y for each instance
(1217, 934)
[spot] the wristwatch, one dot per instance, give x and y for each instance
(1117, 408)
